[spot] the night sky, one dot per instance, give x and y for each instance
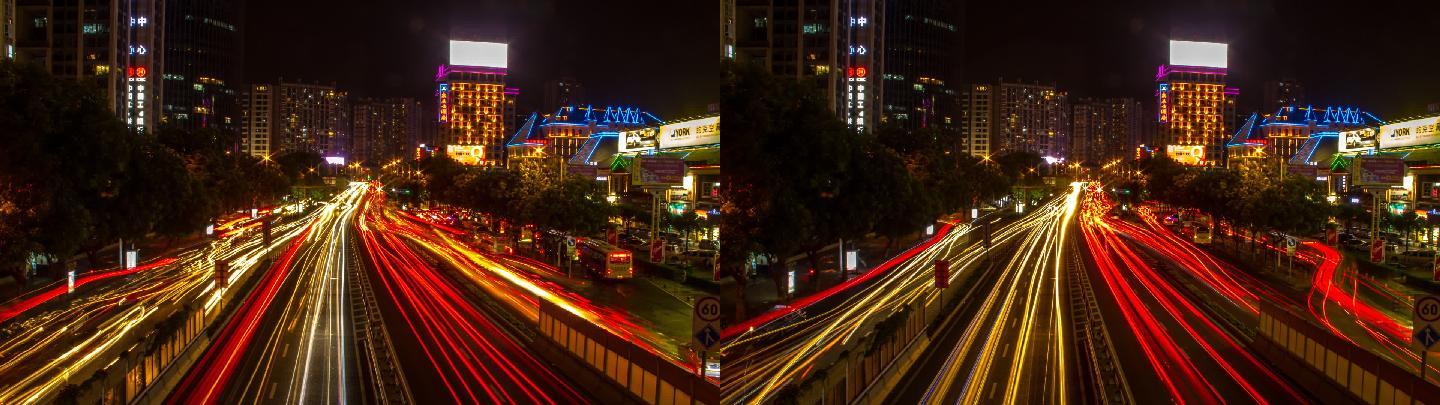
(659, 55)
(1382, 56)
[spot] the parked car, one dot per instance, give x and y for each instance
(1415, 258)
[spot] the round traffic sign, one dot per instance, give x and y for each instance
(707, 309)
(1428, 309)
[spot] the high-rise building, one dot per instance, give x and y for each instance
(296, 117)
(1104, 129)
(838, 44)
(7, 29)
(202, 64)
(562, 92)
(921, 80)
(1030, 117)
(977, 114)
(1196, 108)
(112, 43)
(384, 129)
(257, 115)
(1282, 93)
(727, 29)
(475, 105)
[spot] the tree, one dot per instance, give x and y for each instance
(574, 205)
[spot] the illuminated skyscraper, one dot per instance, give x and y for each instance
(922, 51)
(977, 114)
(202, 64)
(1196, 109)
(474, 103)
(838, 44)
(296, 117)
(257, 113)
(384, 129)
(113, 43)
(1104, 129)
(1030, 117)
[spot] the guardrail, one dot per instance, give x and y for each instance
(645, 376)
(1330, 367)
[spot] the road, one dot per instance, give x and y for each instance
(288, 342)
(784, 350)
(457, 347)
(1007, 341)
(52, 334)
(1178, 311)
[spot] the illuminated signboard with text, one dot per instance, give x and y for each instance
(703, 131)
(1190, 155)
(1410, 133)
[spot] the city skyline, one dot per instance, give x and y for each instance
(404, 42)
(1337, 63)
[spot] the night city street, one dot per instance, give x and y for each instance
(522, 202)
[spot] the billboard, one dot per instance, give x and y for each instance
(584, 171)
(1304, 171)
(1189, 155)
(640, 139)
(657, 171)
(485, 54)
(703, 131)
(1410, 133)
(466, 154)
(1206, 54)
(1358, 140)
(1378, 171)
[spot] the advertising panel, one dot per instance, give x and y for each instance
(703, 131)
(657, 171)
(1358, 140)
(1189, 155)
(1378, 171)
(1206, 54)
(640, 139)
(485, 54)
(584, 171)
(1305, 171)
(1410, 133)
(466, 154)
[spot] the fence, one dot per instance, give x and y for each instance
(1335, 368)
(650, 378)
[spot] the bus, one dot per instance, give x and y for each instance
(1202, 234)
(605, 260)
(493, 244)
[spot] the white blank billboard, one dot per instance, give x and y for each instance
(486, 54)
(1207, 54)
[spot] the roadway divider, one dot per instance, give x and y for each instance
(1331, 368)
(636, 374)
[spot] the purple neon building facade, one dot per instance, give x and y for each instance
(474, 106)
(1196, 110)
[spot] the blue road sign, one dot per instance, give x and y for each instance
(1427, 336)
(708, 337)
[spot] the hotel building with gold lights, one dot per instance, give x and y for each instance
(474, 104)
(1196, 108)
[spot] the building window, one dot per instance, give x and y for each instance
(760, 22)
(40, 22)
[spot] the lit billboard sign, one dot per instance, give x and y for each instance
(1190, 155)
(703, 131)
(640, 139)
(1410, 133)
(1360, 139)
(657, 171)
(1205, 54)
(1378, 171)
(335, 160)
(466, 154)
(486, 54)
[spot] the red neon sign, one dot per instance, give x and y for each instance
(140, 71)
(857, 72)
